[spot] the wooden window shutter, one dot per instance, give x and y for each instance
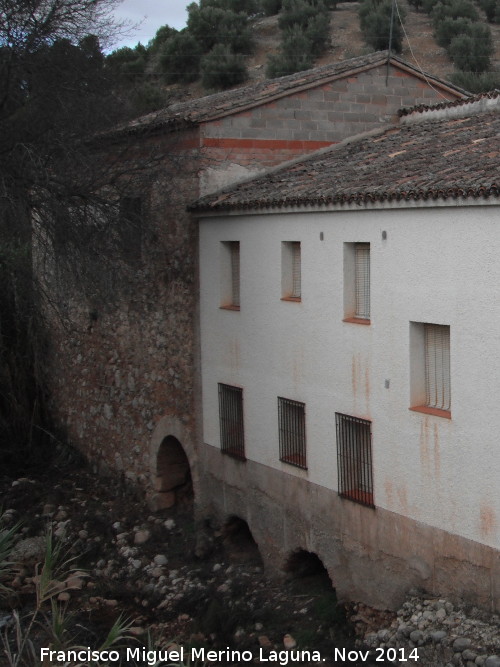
(437, 366)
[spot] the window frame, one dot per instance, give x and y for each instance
(357, 282)
(430, 368)
(354, 459)
(230, 275)
(291, 271)
(231, 421)
(292, 432)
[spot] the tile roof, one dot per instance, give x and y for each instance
(470, 99)
(231, 101)
(437, 159)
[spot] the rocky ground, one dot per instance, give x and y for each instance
(201, 586)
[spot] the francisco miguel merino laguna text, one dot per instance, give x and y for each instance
(152, 657)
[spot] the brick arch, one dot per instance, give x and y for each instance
(172, 463)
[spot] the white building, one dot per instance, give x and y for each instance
(350, 357)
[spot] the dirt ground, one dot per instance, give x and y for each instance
(197, 585)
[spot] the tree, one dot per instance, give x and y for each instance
(294, 55)
(180, 58)
(53, 94)
(375, 21)
(222, 68)
(213, 25)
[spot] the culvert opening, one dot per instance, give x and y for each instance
(174, 484)
(305, 565)
(239, 542)
(308, 578)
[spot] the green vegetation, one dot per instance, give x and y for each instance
(375, 22)
(305, 26)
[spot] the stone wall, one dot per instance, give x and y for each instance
(371, 555)
(124, 356)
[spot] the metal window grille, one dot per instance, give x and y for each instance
(231, 421)
(354, 459)
(362, 279)
(437, 366)
(292, 432)
(235, 273)
(296, 270)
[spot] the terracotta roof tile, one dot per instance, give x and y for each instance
(447, 158)
(231, 101)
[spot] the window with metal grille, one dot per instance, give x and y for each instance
(362, 279)
(354, 459)
(230, 275)
(231, 421)
(437, 366)
(291, 281)
(292, 432)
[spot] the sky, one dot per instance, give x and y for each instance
(150, 15)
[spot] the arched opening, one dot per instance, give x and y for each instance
(305, 570)
(308, 577)
(173, 481)
(239, 543)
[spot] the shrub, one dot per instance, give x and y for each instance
(180, 58)
(126, 63)
(474, 82)
(472, 52)
(294, 55)
(450, 28)
(318, 33)
(214, 25)
(222, 68)
(454, 10)
(296, 12)
(163, 34)
(492, 10)
(248, 7)
(375, 22)
(270, 7)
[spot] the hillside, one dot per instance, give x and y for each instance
(346, 41)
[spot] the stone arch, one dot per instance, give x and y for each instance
(172, 464)
(239, 541)
(307, 565)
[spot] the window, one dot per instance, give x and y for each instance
(354, 459)
(357, 282)
(230, 275)
(292, 432)
(430, 368)
(291, 288)
(231, 421)
(130, 230)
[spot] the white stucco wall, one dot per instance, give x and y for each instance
(437, 265)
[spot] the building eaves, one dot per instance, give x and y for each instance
(460, 102)
(222, 104)
(443, 159)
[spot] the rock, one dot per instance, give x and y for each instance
(289, 642)
(492, 661)
(416, 636)
(461, 643)
(31, 550)
(136, 631)
(64, 596)
(160, 560)
(142, 536)
(264, 641)
(438, 636)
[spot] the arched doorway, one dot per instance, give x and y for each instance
(173, 481)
